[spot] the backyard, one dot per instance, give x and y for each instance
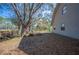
(10, 47)
(40, 44)
(28, 29)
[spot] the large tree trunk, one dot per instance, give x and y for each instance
(21, 30)
(26, 28)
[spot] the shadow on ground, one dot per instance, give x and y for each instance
(49, 44)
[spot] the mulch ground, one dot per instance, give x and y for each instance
(49, 44)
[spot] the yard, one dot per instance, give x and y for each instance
(40, 44)
(9, 47)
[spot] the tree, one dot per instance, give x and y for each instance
(1, 19)
(27, 11)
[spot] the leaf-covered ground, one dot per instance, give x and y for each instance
(49, 43)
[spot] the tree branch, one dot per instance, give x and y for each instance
(24, 10)
(36, 8)
(30, 14)
(17, 13)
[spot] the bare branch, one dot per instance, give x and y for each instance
(30, 14)
(24, 10)
(31, 8)
(36, 8)
(17, 13)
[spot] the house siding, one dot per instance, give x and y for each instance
(70, 19)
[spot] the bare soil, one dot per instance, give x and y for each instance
(10, 47)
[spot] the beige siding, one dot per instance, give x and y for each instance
(70, 19)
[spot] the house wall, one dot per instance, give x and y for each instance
(70, 19)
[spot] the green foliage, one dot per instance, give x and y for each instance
(14, 21)
(5, 23)
(1, 19)
(41, 25)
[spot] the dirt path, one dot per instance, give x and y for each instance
(9, 47)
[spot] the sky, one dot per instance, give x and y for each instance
(7, 12)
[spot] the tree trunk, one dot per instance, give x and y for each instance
(26, 29)
(19, 29)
